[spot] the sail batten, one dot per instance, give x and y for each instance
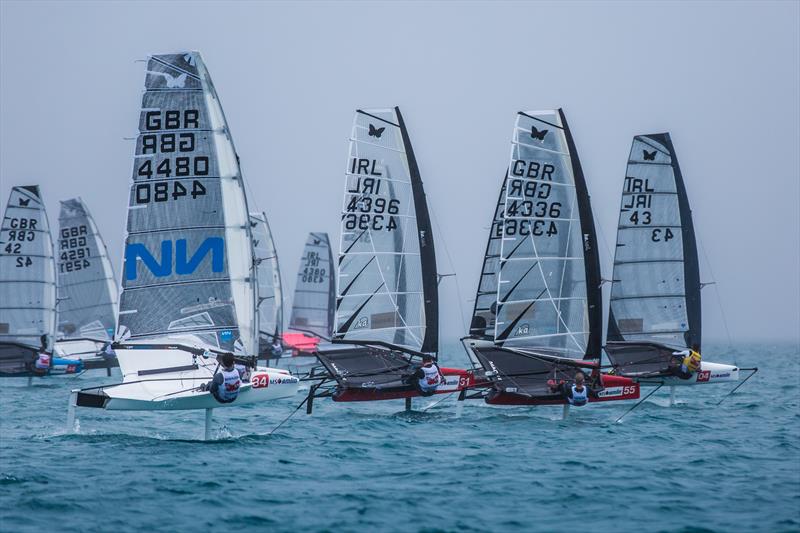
(188, 254)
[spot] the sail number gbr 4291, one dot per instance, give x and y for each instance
(366, 206)
(170, 156)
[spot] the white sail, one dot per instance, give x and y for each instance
(542, 298)
(27, 278)
(87, 290)
(188, 255)
(387, 266)
(314, 291)
(270, 291)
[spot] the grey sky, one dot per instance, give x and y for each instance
(722, 78)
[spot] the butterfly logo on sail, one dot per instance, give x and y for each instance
(649, 156)
(538, 135)
(171, 81)
(376, 132)
(23, 202)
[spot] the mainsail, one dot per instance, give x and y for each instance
(387, 290)
(314, 291)
(548, 291)
(655, 296)
(27, 281)
(270, 293)
(188, 273)
(86, 286)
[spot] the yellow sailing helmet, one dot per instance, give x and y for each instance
(692, 361)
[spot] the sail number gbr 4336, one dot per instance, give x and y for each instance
(528, 198)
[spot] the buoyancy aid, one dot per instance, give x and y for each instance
(432, 379)
(579, 398)
(229, 388)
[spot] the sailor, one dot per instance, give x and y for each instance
(578, 394)
(227, 381)
(42, 364)
(686, 362)
(428, 377)
(276, 350)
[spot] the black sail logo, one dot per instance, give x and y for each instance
(536, 134)
(23, 202)
(649, 156)
(376, 132)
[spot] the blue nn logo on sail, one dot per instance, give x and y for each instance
(215, 246)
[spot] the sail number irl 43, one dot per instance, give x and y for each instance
(173, 157)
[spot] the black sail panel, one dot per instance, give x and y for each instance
(655, 297)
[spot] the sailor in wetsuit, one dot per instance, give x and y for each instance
(685, 363)
(227, 381)
(577, 394)
(428, 377)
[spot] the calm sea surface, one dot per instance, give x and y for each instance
(371, 466)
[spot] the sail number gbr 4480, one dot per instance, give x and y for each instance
(367, 207)
(176, 159)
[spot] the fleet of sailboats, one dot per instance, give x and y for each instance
(201, 277)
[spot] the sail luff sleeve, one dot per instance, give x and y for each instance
(430, 280)
(591, 257)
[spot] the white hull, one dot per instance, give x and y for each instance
(85, 350)
(157, 379)
(709, 373)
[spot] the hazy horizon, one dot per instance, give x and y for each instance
(290, 76)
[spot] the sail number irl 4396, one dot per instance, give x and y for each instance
(367, 205)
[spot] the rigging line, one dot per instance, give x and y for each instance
(453, 268)
(301, 404)
(639, 402)
(716, 293)
(752, 373)
(439, 401)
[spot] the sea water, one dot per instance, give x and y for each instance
(372, 466)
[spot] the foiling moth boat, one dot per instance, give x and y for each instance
(538, 311)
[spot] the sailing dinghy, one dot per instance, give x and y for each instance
(270, 290)
(87, 290)
(314, 304)
(538, 310)
(28, 289)
(655, 310)
(189, 286)
(387, 315)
